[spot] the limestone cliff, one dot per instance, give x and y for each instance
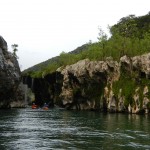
(109, 85)
(10, 77)
(84, 82)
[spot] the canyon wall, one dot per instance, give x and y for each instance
(11, 94)
(108, 86)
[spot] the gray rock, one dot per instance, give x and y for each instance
(10, 75)
(89, 84)
(3, 44)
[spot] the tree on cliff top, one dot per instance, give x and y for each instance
(14, 47)
(132, 26)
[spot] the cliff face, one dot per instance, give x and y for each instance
(84, 82)
(98, 85)
(10, 77)
(108, 85)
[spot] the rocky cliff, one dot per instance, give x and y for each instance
(10, 76)
(109, 85)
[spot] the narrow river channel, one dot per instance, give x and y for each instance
(27, 129)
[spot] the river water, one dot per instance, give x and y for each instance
(27, 129)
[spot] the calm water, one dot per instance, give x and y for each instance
(27, 129)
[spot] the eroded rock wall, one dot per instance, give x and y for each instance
(10, 77)
(92, 85)
(109, 85)
(84, 82)
(46, 89)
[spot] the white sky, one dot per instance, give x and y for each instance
(45, 28)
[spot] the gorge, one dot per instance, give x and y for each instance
(111, 75)
(108, 86)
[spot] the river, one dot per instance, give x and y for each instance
(27, 129)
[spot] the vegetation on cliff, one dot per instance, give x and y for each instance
(117, 83)
(130, 36)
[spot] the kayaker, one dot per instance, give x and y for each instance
(45, 107)
(34, 106)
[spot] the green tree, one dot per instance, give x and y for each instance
(102, 36)
(126, 27)
(102, 40)
(14, 47)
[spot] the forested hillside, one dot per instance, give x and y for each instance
(130, 36)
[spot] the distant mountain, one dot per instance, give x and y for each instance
(44, 64)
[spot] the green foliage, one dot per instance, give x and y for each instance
(126, 27)
(128, 86)
(128, 83)
(66, 59)
(130, 36)
(14, 47)
(132, 26)
(36, 74)
(49, 69)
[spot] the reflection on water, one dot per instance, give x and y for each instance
(26, 129)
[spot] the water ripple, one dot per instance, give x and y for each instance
(23, 129)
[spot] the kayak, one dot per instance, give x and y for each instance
(45, 108)
(34, 106)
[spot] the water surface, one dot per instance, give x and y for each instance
(27, 129)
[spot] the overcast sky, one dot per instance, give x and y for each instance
(45, 28)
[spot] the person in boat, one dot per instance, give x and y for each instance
(45, 106)
(34, 106)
